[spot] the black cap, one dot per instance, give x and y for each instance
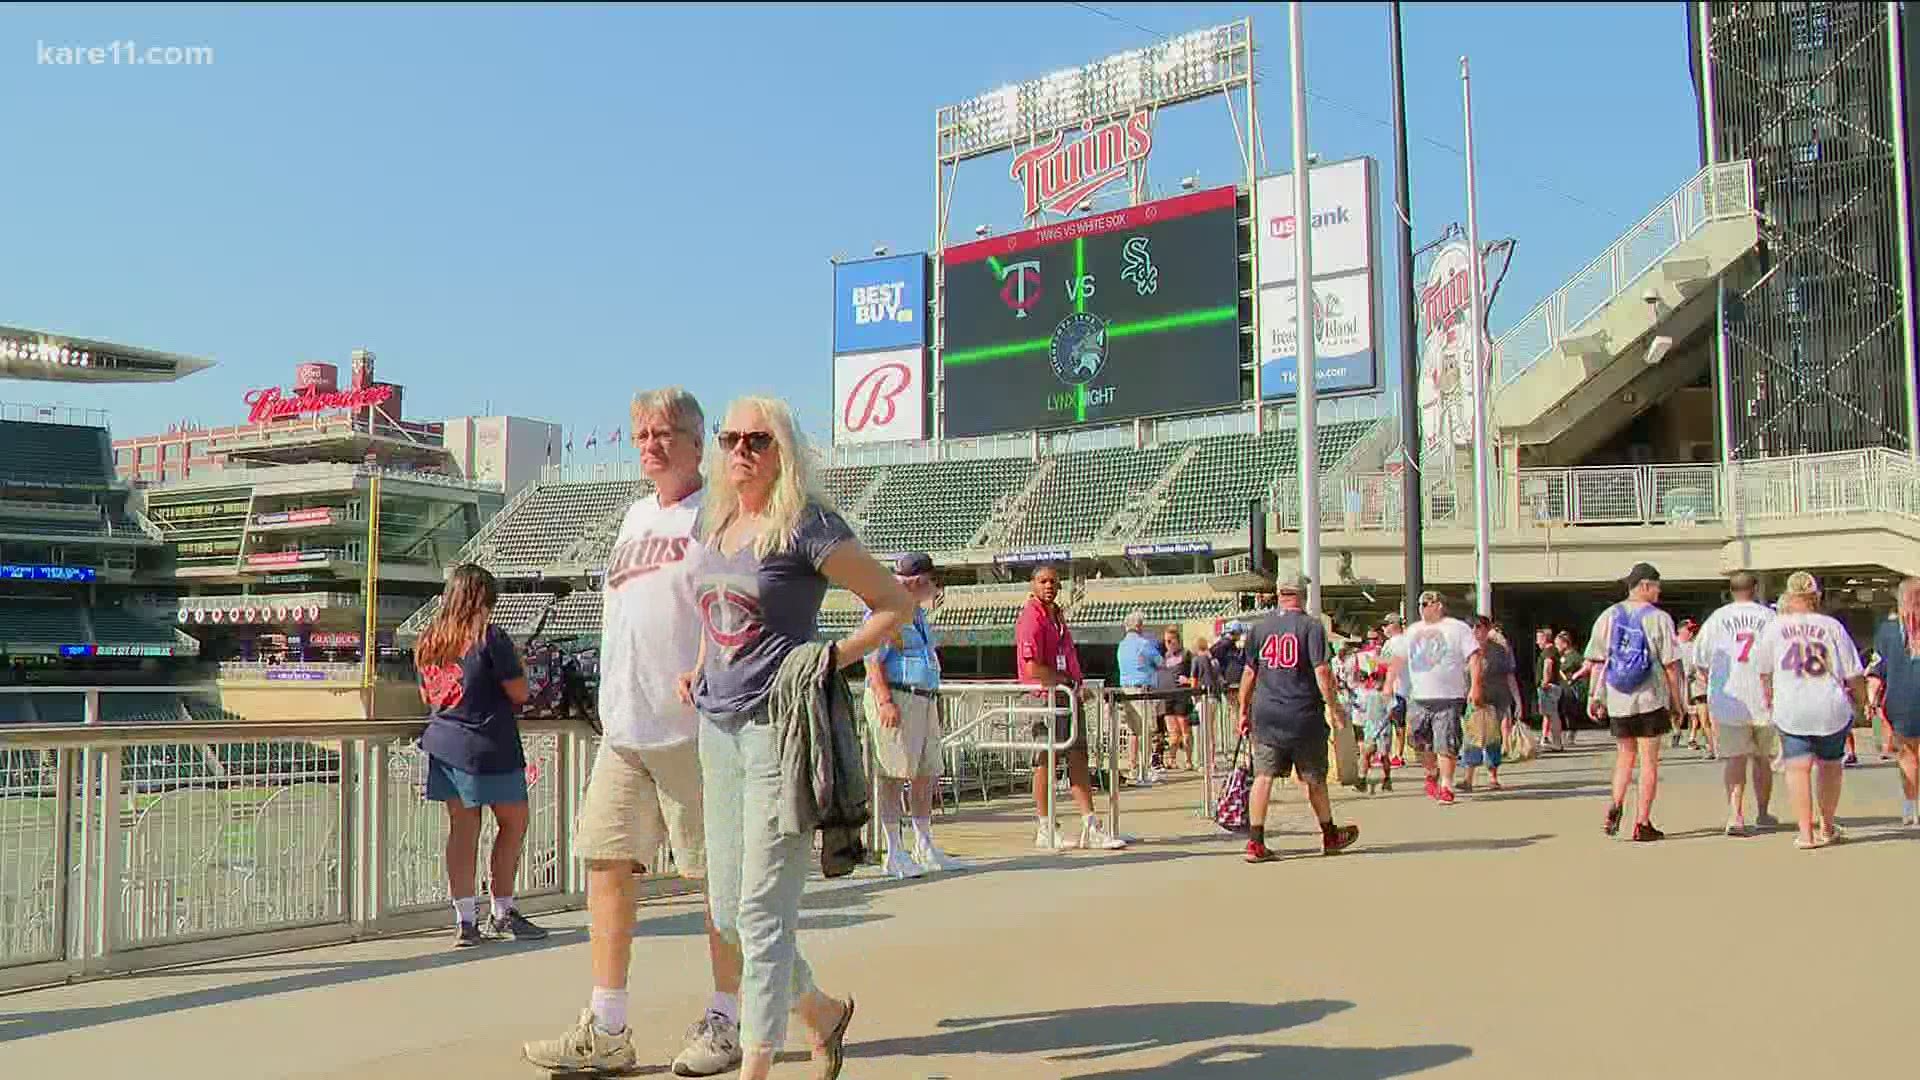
(913, 564)
(1641, 572)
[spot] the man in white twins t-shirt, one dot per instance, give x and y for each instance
(645, 786)
(1743, 732)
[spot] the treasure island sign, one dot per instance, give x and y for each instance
(271, 404)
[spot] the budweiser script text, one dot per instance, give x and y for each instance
(271, 404)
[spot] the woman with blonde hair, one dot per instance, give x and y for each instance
(1897, 666)
(771, 544)
(1811, 681)
(470, 675)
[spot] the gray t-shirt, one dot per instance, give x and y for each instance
(755, 611)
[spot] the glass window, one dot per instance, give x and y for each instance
(198, 449)
(172, 451)
(146, 454)
(121, 458)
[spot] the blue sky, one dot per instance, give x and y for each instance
(536, 210)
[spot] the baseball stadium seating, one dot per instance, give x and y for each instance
(1210, 495)
(1085, 490)
(551, 519)
(937, 505)
(56, 454)
(41, 622)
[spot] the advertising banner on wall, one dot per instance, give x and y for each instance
(1346, 356)
(1341, 195)
(880, 303)
(880, 396)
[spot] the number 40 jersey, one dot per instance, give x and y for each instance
(1810, 657)
(1725, 648)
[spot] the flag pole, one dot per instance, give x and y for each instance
(1410, 440)
(1304, 322)
(1476, 341)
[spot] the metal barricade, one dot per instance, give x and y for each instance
(989, 717)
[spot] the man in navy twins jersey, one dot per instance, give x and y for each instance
(1286, 696)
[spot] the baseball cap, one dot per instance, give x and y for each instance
(913, 564)
(1292, 586)
(1393, 619)
(1641, 572)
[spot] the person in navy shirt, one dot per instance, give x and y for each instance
(470, 676)
(1897, 666)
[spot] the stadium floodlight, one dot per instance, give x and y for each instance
(982, 231)
(879, 250)
(1181, 68)
(1188, 183)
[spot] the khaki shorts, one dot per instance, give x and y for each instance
(638, 800)
(913, 748)
(1742, 740)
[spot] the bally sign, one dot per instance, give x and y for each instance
(879, 396)
(1057, 175)
(270, 404)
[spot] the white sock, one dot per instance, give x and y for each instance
(923, 828)
(502, 905)
(727, 1005)
(1092, 821)
(1911, 807)
(610, 1010)
(463, 908)
(892, 829)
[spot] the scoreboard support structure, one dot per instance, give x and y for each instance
(1033, 120)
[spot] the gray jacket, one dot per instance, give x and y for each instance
(820, 758)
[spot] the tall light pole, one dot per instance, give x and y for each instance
(1410, 441)
(1304, 324)
(1477, 329)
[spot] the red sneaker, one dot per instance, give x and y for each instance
(1257, 852)
(1433, 789)
(1445, 797)
(1342, 839)
(1399, 763)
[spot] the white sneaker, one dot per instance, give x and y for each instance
(933, 860)
(1060, 841)
(584, 1049)
(1095, 838)
(1909, 814)
(713, 1047)
(901, 865)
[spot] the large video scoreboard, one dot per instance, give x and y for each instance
(1103, 318)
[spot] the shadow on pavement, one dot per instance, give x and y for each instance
(1250, 1062)
(1103, 1031)
(24, 1025)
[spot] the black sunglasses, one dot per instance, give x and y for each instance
(758, 442)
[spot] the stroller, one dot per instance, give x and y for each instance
(563, 677)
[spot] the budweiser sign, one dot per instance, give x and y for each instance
(1057, 175)
(271, 404)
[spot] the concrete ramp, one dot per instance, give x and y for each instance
(1606, 339)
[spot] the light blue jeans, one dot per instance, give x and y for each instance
(754, 875)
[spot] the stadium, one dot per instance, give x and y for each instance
(1730, 384)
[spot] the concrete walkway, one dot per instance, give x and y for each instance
(1502, 937)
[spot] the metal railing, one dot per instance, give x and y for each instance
(52, 414)
(126, 847)
(1716, 192)
(1851, 482)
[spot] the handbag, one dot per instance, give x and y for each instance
(1231, 814)
(1520, 744)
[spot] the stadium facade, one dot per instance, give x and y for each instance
(1638, 413)
(83, 601)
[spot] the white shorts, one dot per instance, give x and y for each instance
(638, 800)
(912, 749)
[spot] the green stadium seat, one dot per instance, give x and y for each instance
(32, 453)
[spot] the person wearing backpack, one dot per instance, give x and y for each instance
(1635, 663)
